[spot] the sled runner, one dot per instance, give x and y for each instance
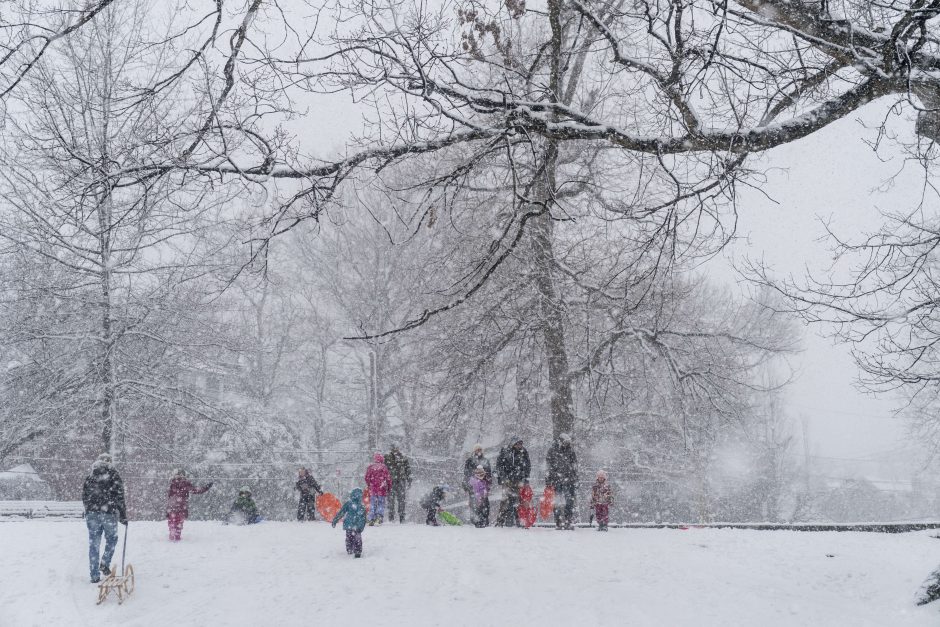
(327, 505)
(449, 519)
(547, 503)
(122, 585)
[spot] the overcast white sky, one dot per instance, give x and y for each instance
(832, 175)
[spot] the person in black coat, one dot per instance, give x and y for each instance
(309, 488)
(103, 498)
(513, 468)
(399, 468)
(563, 477)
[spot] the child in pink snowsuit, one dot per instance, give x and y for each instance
(177, 503)
(601, 500)
(378, 480)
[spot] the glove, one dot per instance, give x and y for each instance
(208, 485)
(123, 521)
(333, 524)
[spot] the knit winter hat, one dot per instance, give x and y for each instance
(379, 458)
(477, 447)
(103, 461)
(601, 475)
(565, 437)
(480, 470)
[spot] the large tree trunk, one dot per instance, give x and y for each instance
(551, 307)
(552, 322)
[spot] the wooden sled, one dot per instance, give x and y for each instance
(122, 585)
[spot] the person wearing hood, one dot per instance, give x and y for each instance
(177, 502)
(244, 511)
(309, 488)
(353, 515)
(400, 470)
(563, 477)
(378, 480)
(103, 498)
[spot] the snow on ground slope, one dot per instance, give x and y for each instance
(286, 574)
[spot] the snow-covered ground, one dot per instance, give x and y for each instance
(285, 574)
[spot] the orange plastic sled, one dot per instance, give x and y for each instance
(547, 503)
(327, 506)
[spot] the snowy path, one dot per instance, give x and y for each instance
(287, 574)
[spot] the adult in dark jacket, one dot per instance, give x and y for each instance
(475, 459)
(513, 468)
(103, 498)
(400, 470)
(309, 488)
(177, 502)
(563, 477)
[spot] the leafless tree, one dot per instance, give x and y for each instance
(115, 273)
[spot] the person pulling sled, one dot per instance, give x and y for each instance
(103, 499)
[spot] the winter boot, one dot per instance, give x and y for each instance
(104, 568)
(358, 554)
(381, 519)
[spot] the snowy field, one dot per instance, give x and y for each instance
(286, 574)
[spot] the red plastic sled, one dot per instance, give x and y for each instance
(526, 511)
(547, 503)
(327, 506)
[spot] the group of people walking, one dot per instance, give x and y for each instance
(387, 479)
(512, 471)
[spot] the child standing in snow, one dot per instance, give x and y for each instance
(601, 500)
(480, 497)
(244, 511)
(177, 502)
(432, 503)
(309, 488)
(353, 515)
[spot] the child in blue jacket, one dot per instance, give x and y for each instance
(353, 515)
